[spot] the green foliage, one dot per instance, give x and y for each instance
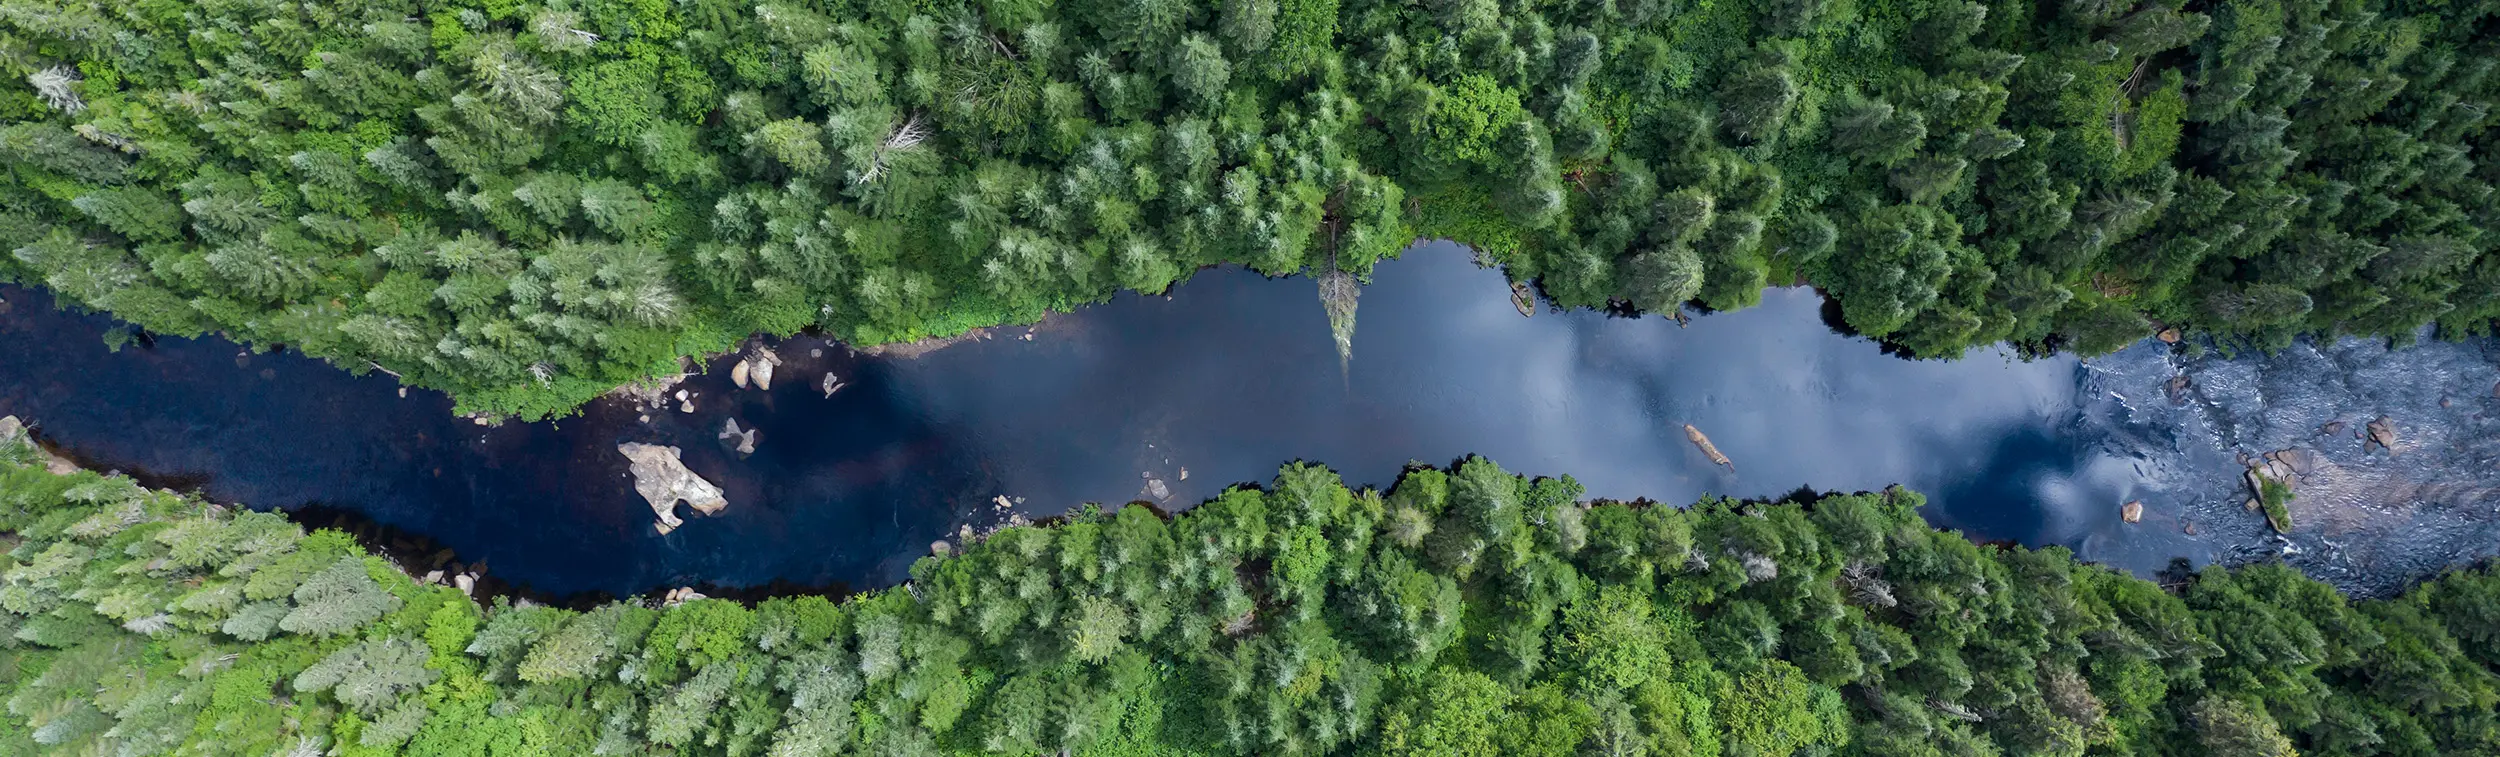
(2275, 497)
(529, 202)
(1467, 611)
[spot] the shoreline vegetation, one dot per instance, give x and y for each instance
(1466, 611)
(528, 204)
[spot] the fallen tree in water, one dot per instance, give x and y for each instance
(1709, 450)
(1466, 611)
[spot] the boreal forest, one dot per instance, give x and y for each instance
(1466, 612)
(529, 203)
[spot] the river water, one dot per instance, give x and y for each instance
(1172, 398)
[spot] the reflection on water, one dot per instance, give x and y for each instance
(1176, 397)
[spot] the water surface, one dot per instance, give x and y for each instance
(1232, 374)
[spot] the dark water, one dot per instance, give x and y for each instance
(1232, 375)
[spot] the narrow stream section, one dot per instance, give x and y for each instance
(1172, 398)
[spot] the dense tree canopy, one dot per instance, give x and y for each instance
(529, 202)
(1467, 611)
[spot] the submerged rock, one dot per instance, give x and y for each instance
(661, 478)
(741, 439)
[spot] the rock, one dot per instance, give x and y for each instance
(433, 577)
(745, 439)
(2168, 335)
(2132, 512)
(1184, 474)
(13, 430)
(662, 479)
(2331, 428)
(941, 548)
(2188, 528)
(2177, 388)
(2382, 433)
(760, 367)
(738, 374)
(466, 583)
(830, 384)
(1156, 489)
(2252, 505)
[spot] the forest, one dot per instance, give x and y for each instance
(1464, 612)
(527, 203)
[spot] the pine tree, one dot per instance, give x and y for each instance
(338, 600)
(369, 676)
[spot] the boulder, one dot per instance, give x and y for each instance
(738, 374)
(2132, 512)
(759, 367)
(2168, 336)
(663, 480)
(2382, 433)
(2331, 428)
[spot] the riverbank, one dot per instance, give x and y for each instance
(1215, 384)
(1773, 626)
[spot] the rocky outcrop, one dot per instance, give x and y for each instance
(12, 429)
(2286, 469)
(661, 478)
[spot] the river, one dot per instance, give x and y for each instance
(1231, 374)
